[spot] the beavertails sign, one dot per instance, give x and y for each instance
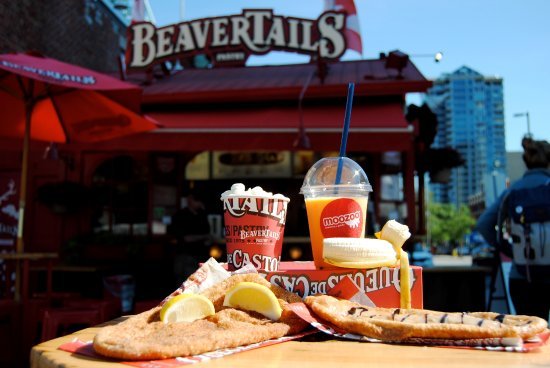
(231, 39)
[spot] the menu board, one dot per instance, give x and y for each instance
(266, 164)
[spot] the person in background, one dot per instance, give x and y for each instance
(190, 231)
(529, 297)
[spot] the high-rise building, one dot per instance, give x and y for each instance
(470, 113)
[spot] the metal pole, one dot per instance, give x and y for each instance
(528, 124)
(494, 186)
(526, 114)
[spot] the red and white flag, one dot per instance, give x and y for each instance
(138, 11)
(352, 32)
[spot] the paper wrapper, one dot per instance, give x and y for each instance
(85, 348)
(345, 289)
(207, 275)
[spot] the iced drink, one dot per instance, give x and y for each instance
(335, 210)
(254, 223)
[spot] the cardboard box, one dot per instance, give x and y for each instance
(380, 285)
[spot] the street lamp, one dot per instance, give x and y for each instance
(526, 114)
(496, 166)
(438, 56)
(398, 60)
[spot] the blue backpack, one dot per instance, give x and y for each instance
(528, 212)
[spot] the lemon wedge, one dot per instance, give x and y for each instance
(186, 308)
(254, 297)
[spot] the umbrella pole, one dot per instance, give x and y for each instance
(23, 184)
(22, 195)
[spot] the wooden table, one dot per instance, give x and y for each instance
(318, 354)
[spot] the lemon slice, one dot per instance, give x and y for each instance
(254, 297)
(186, 308)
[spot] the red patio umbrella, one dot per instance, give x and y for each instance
(45, 99)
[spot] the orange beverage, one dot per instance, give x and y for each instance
(336, 191)
(334, 217)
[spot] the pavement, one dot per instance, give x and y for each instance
(498, 304)
(449, 260)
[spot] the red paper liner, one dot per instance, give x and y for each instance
(84, 348)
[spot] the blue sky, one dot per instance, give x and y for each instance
(505, 38)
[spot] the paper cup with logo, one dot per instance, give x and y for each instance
(335, 210)
(254, 224)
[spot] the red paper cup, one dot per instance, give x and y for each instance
(254, 227)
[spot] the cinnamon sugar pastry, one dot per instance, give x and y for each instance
(144, 336)
(395, 324)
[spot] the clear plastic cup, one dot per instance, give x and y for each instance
(254, 224)
(335, 210)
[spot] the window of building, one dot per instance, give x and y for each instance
(121, 196)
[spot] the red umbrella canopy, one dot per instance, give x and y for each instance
(46, 99)
(66, 103)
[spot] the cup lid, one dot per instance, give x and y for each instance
(322, 175)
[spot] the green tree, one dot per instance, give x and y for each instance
(447, 224)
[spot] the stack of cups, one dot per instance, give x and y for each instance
(335, 208)
(254, 224)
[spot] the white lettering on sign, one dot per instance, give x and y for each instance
(230, 56)
(51, 74)
(270, 207)
(368, 281)
(255, 31)
(239, 259)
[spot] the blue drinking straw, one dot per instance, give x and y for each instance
(345, 131)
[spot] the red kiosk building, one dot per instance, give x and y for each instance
(218, 126)
(261, 125)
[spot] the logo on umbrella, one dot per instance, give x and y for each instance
(52, 74)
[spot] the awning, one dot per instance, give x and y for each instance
(374, 127)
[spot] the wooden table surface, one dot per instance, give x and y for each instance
(318, 354)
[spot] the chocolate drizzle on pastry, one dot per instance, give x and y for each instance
(400, 315)
(397, 324)
(353, 311)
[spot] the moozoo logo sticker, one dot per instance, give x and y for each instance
(342, 218)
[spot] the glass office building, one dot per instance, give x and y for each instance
(470, 113)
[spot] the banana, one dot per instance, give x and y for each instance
(397, 234)
(405, 282)
(394, 232)
(358, 252)
(361, 264)
(384, 251)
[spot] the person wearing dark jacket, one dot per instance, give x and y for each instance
(190, 230)
(530, 295)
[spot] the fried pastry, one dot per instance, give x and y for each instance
(145, 337)
(395, 324)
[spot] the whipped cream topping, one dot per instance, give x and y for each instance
(239, 190)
